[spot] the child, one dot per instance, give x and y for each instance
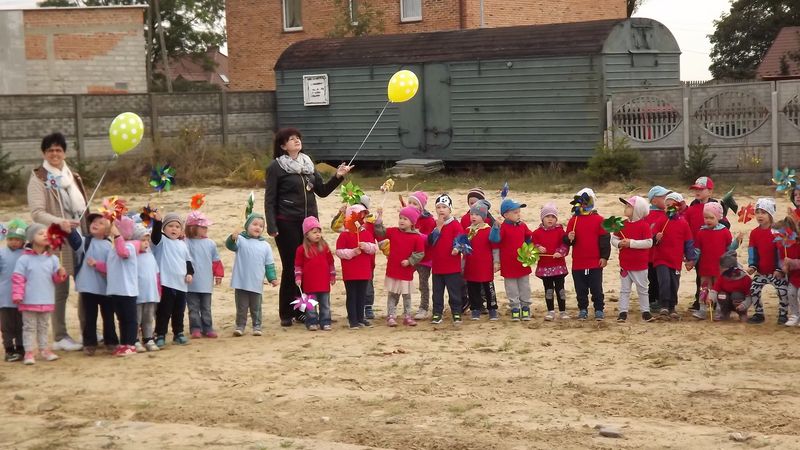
(673, 244)
(703, 189)
(406, 249)
(445, 261)
(634, 242)
(765, 262)
(657, 196)
(552, 267)
(33, 291)
(149, 290)
(479, 265)
(90, 281)
(510, 235)
(791, 266)
(712, 241)
(208, 272)
(591, 249)
(315, 273)
(731, 290)
(176, 269)
(10, 317)
(123, 282)
(425, 225)
(337, 224)
(355, 250)
(254, 262)
(473, 196)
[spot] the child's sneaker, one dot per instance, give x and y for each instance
(792, 321)
(161, 342)
(673, 315)
(139, 347)
(369, 313)
(493, 314)
(313, 327)
(599, 316)
(436, 319)
(695, 306)
(564, 315)
(326, 328)
(237, 332)
(476, 314)
(355, 326)
(718, 317)
(583, 314)
(700, 314)
(664, 313)
(647, 316)
(180, 339)
(391, 321)
(89, 350)
(365, 324)
(151, 346)
(211, 335)
(196, 334)
(48, 355)
(515, 314)
(457, 319)
(550, 316)
(28, 359)
(782, 319)
(526, 313)
(409, 321)
(125, 350)
(622, 317)
(256, 332)
(12, 357)
(422, 314)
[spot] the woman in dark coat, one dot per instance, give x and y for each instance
(292, 185)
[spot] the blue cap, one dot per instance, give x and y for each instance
(657, 191)
(509, 205)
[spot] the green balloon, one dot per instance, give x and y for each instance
(125, 132)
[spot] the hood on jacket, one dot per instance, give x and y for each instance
(640, 205)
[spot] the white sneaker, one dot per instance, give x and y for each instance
(67, 345)
(550, 316)
(151, 346)
(793, 320)
(422, 314)
(100, 339)
(564, 315)
(139, 347)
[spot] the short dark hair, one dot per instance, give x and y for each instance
(54, 138)
(281, 136)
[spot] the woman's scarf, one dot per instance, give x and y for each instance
(69, 194)
(301, 165)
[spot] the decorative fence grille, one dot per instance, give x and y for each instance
(647, 118)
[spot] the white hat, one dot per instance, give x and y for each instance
(767, 205)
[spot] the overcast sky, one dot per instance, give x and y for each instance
(691, 21)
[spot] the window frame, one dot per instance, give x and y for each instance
(283, 10)
(410, 19)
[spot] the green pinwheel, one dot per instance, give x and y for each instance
(528, 255)
(351, 193)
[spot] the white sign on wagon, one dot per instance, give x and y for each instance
(315, 90)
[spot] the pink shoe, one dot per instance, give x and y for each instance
(125, 350)
(409, 321)
(196, 334)
(48, 355)
(391, 322)
(212, 335)
(29, 359)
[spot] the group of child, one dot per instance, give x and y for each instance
(145, 277)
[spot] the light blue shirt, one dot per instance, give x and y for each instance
(8, 260)
(123, 278)
(89, 279)
(249, 267)
(204, 253)
(172, 255)
(148, 278)
(38, 270)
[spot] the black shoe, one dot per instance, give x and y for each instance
(757, 318)
(782, 319)
(647, 317)
(369, 313)
(13, 357)
(286, 322)
(366, 323)
(622, 317)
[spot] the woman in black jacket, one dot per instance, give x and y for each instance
(292, 182)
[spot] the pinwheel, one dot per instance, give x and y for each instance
(784, 180)
(747, 213)
(351, 224)
(146, 214)
(53, 181)
(162, 177)
(198, 200)
(462, 244)
(351, 193)
(528, 255)
(582, 204)
(504, 191)
(113, 208)
(3, 232)
(386, 187)
(384, 247)
(672, 213)
(305, 303)
(251, 201)
(55, 236)
(614, 224)
(785, 236)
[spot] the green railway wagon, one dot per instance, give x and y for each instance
(524, 93)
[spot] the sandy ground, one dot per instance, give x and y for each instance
(485, 385)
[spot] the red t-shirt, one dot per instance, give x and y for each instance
(793, 252)
(442, 260)
(767, 250)
(586, 247)
(669, 251)
(425, 224)
(654, 216)
(724, 284)
(694, 217)
(512, 236)
(552, 239)
(712, 245)
(479, 266)
(360, 267)
(316, 270)
(401, 246)
(634, 259)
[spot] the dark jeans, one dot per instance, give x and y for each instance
(172, 306)
(653, 287)
(586, 281)
(478, 293)
(324, 316)
(356, 296)
(554, 286)
(290, 236)
(11, 324)
(125, 309)
(370, 299)
(199, 311)
(90, 303)
(669, 281)
(453, 282)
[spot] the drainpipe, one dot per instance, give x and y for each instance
(483, 24)
(462, 19)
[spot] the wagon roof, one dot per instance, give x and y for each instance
(562, 39)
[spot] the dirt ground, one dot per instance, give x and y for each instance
(498, 385)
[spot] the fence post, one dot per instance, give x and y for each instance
(223, 111)
(77, 102)
(775, 137)
(153, 117)
(687, 128)
(609, 124)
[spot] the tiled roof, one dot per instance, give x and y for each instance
(787, 43)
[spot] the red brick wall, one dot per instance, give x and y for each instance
(256, 38)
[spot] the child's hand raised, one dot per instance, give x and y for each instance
(114, 230)
(156, 216)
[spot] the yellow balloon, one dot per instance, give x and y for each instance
(403, 86)
(125, 132)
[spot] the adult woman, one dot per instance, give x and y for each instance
(62, 204)
(292, 182)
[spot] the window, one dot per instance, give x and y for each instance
(353, 12)
(410, 10)
(292, 15)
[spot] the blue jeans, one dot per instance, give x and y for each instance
(199, 311)
(324, 316)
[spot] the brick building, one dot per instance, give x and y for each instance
(260, 30)
(73, 50)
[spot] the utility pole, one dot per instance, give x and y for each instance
(164, 56)
(149, 62)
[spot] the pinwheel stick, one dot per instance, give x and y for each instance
(102, 177)
(368, 133)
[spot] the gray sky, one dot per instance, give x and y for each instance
(691, 21)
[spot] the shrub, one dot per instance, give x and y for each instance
(10, 178)
(698, 164)
(618, 162)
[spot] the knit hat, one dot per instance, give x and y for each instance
(196, 218)
(420, 197)
(445, 200)
(32, 230)
(364, 200)
(703, 183)
(768, 206)
(16, 229)
(309, 223)
(480, 208)
(675, 197)
(549, 209)
(126, 226)
(251, 218)
(728, 261)
(657, 191)
(510, 205)
(139, 232)
(354, 209)
(713, 208)
(476, 192)
(410, 213)
(172, 217)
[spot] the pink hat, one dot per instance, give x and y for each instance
(420, 197)
(713, 208)
(549, 209)
(126, 225)
(410, 213)
(310, 223)
(355, 209)
(196, 218)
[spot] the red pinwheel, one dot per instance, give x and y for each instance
(113, 208)
(56, 236)
(747, 213)
(198, 200)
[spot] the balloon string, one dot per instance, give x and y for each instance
(368, 134)
(102, 177)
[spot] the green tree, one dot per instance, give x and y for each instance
(743, 35)
(633, 5)
(356, 18)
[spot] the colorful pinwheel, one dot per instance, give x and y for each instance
(384, 247)
(747, 213)
(198, 200)
(784, 180)
(3, 232)
(582, 205)
(351, 223)
(387, 186)
(462, 244)
(55, 237)
(504, 191)
(305, 303)
(162, 177)
(351, 193)
(785, 236)
(528, 255)
(146, 214)
(613, 224)
(251, 201)
(53, 181)
(113, 208)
